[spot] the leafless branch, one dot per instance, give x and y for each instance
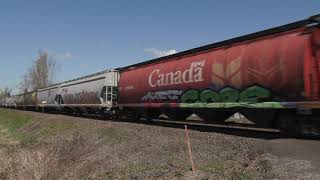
(42, 73)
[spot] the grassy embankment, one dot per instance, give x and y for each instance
(10, 123)
(22, 128)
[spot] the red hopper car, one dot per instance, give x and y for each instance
(271, 77)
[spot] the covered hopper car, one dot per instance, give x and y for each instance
(48, 98)
(93, 93)
(272, 77)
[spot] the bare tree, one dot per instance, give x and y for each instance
(40, 74)
(6, 92)
(24, 85)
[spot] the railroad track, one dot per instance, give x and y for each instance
(262, 133)
(245, 131)
(230, 128)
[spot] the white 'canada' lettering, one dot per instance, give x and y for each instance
(193, 74)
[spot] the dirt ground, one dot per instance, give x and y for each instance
(63, 147)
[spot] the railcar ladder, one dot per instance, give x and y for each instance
(111, 88)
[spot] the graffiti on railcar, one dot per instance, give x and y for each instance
(251, 94)
(168, 95)
(83, 97)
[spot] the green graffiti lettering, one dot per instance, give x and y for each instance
(209, 96)
(190, 96)
(229, 94)
(253, 94)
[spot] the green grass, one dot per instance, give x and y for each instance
(51, 128)
(11, 122)
(25, 128)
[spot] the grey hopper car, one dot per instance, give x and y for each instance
(49, 97)
(10, 101)
(30, 99)
(19, 100)
(90, 92)
(7, 101)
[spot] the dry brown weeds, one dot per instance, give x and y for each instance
(93, 149)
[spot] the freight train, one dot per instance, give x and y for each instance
(272, 77)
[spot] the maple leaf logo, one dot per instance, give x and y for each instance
(268, 66)
(267, 75)
(227, 74)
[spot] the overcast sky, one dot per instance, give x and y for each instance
(90, 36)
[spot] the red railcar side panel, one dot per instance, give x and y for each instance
(312, 66)
(315, 47)
(270, 67)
